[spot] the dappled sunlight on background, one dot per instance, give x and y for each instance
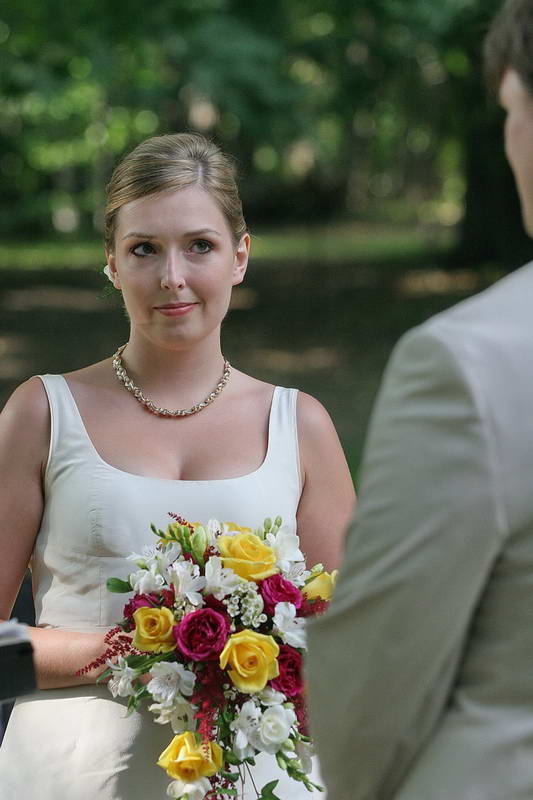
(438, 281)
(295, 361)
(54, 297)
(14, 361)
(326, 329)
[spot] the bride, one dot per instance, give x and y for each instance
(90, 458)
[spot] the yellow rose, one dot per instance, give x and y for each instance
(322, 586)
(232, 526)
(252, 658)
(247, 555)
(187, 759)
(153, 630)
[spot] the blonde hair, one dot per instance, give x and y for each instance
(174, 162)
(509, 43)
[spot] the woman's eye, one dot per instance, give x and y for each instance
(201, 246)
(143, 249)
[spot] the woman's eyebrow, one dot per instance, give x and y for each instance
(135, 235)
(199, 232)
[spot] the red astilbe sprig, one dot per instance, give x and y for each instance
(118, 644)
(312, 608)
(301, 714)
(209, 698)
(181, 521)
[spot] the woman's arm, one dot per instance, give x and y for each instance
(328, 496)
(24, 442)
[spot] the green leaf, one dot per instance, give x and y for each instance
(310, 786)
(118, 586)
(199, 539)
(186, 539)
(231, 758)
(107, 674)
(267, 792)
(230, 776)
(141, 692)
(282, 761)
(143, 662)
(232, 792)
(133, 704)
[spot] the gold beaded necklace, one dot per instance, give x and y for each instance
(123, 376)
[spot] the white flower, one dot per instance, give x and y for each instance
(221, 581)
(179, 715)
(273, 729)
(143, 560)
(147, 580)
(245, 726)
(304, 752)
(213, 529)
(286, 545)
(246, 601)
(120, 684)
(195, 790)
(166, 555)
(288, 626)
(161, 557)
(269, 697)
(297, 573)
(187, 581)
(168, 680)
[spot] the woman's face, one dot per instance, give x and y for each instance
(175, 263)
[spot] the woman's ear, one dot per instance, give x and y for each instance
(110, 270)
(240, 262)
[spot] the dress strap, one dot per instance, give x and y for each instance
(283, 450)
(68, 438)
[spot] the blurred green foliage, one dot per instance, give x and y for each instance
(333, 109)
(320, 244)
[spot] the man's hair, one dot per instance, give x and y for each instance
(509, 44)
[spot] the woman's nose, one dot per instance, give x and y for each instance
(173, 274)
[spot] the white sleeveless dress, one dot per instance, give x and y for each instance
(76, 743)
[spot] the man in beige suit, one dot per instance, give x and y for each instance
(421, 672)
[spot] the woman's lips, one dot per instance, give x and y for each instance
(175, 309)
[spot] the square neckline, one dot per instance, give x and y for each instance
(106, 464)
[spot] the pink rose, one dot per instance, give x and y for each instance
(201, 635)
(277, 589)
(140, 601)
(290, 680)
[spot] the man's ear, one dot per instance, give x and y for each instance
(240, 262)
(111, 270)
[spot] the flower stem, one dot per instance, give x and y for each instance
(252, 779)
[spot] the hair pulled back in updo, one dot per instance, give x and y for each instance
(170, 163)
(509, 44)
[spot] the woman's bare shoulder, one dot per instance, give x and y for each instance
(28, 404)
(313, 419)
(252, 388)
(28, 409)
(25, 425)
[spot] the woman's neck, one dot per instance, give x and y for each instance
(178, 377)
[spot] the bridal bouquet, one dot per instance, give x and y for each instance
(218, 621)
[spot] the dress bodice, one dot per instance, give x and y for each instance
(95, 514)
